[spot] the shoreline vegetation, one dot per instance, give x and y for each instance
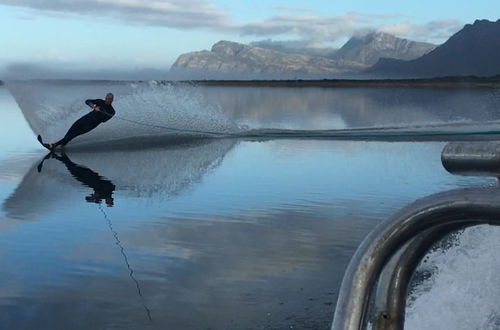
(451, 82)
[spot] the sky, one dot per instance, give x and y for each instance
(141, 36)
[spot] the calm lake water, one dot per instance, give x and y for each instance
(210, 234)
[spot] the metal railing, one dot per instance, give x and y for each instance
(380, 271)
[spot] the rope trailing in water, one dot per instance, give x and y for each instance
(176, 129)
(317, 134)
(122, 251)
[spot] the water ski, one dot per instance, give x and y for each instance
(49, 146)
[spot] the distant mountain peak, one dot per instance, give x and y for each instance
(474, 50)
(483, 22)
(375, 35)
(369, 48)
(227, 48)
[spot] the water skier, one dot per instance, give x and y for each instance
(102, 111)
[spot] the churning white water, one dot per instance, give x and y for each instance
(462, 292)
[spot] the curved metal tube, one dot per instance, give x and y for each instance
(391, 307)
(464, 207)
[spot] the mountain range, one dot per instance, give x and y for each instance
(229, 59)
(474, 50)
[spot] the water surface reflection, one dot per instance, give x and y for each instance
(103, 188)
(220, 234)
(154, 173)
(340, 108)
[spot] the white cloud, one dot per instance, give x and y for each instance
(306, 27)
(300, 23)
(321, 30)
(434, 31)
(171, 13)
(292, 9)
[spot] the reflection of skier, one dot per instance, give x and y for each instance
(101, 112)
(103, 188)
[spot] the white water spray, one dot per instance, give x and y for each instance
(463, 290)
(142, 109)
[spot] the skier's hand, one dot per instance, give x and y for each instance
(97, 108)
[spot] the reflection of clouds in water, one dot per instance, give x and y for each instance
(13, 169)
(343, 155)
(320, 121)
(332, 121)
(291, 149)
(311, 108)
(197, 275)
(154, 173)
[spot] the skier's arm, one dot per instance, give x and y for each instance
(92, 104)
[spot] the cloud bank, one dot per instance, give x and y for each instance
(299, 23)
(184, 14)
(27, 70)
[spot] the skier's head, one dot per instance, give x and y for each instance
(109, 98)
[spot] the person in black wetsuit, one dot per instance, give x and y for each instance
(102, 111)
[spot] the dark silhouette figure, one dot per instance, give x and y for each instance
(103, 188)
(102, 111)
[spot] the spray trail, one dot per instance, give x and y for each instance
(146, 108)
(154, 112)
